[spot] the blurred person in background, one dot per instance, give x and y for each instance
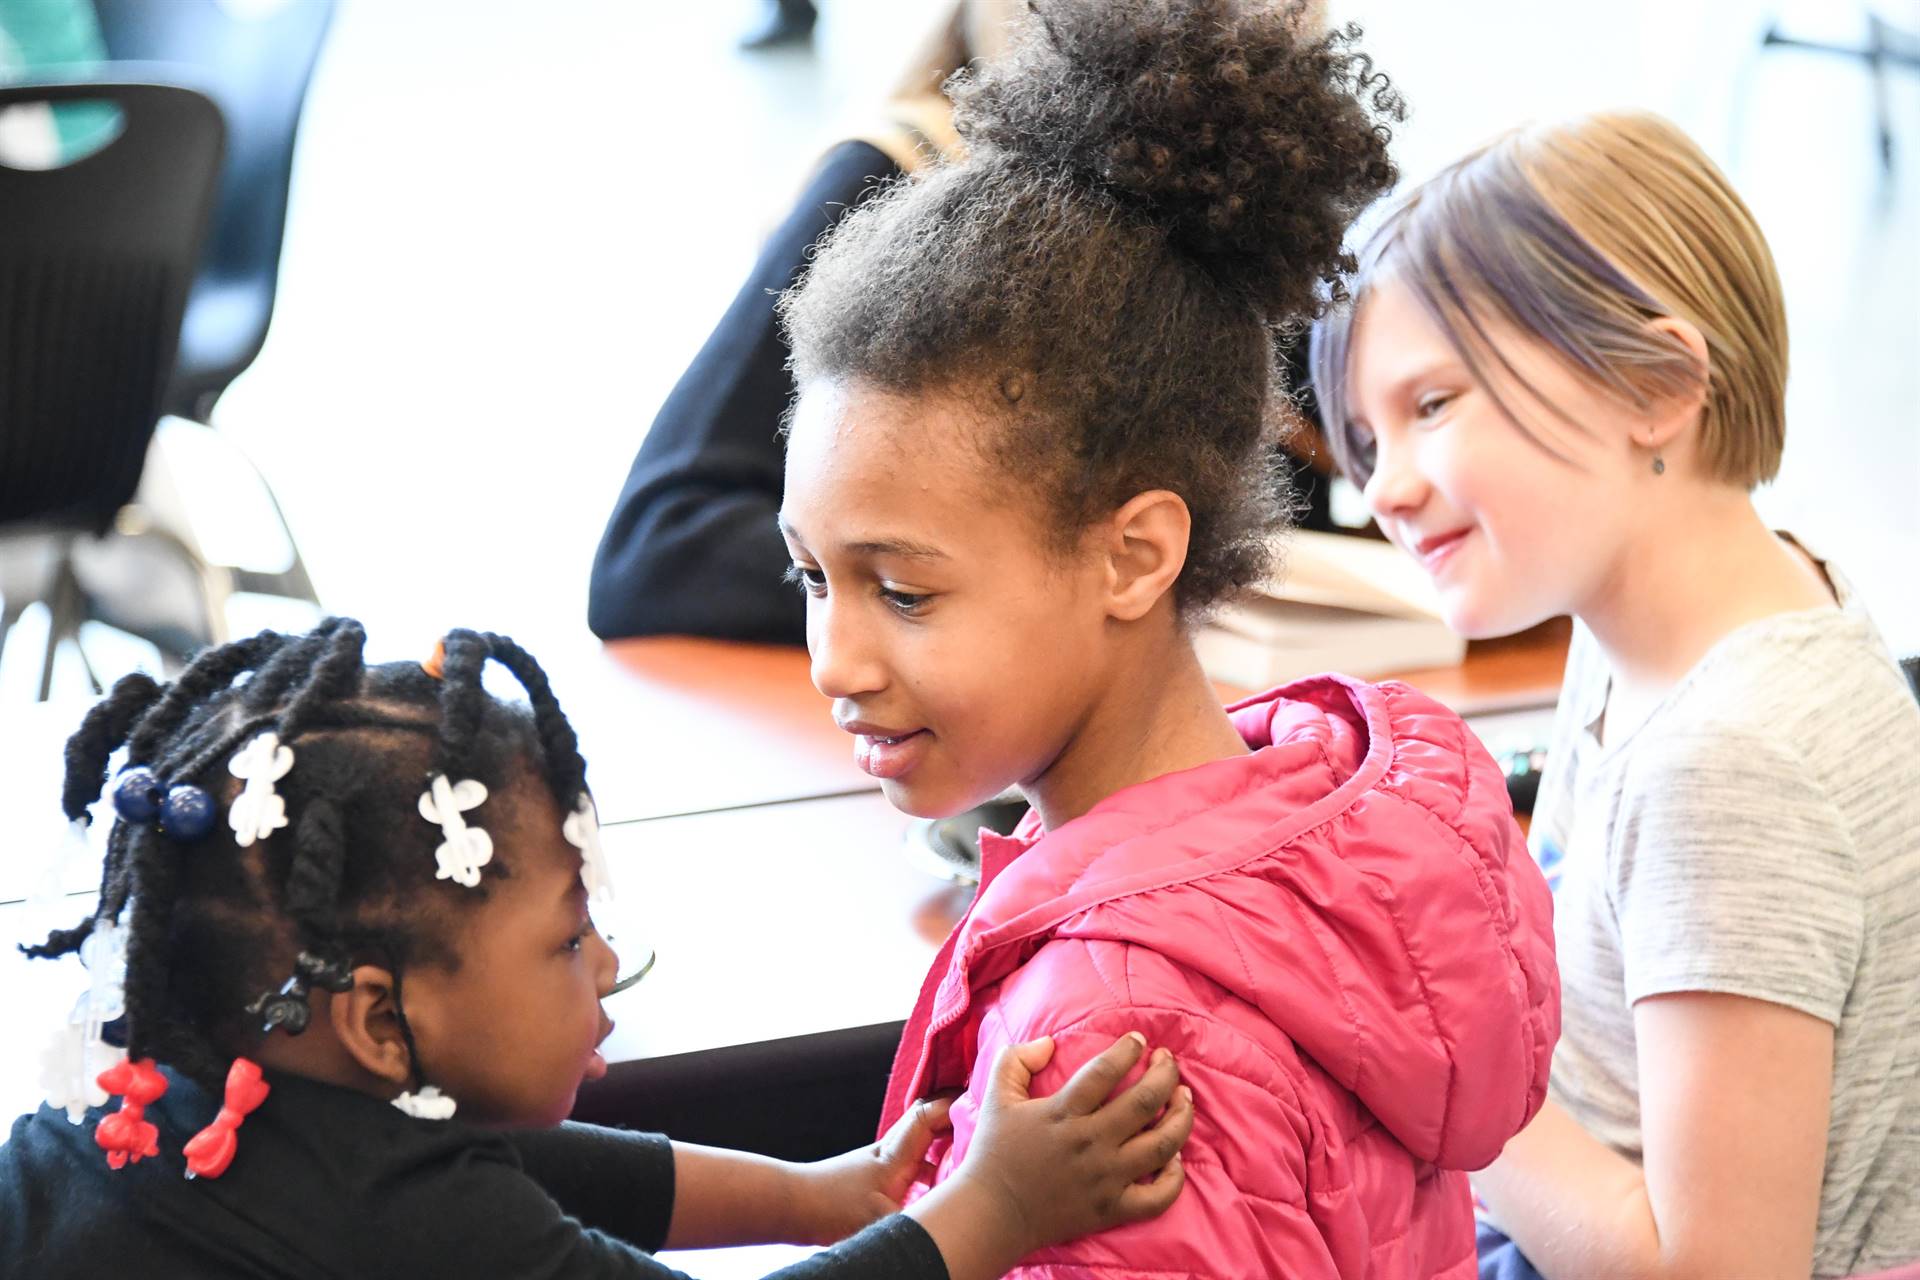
(691, 547)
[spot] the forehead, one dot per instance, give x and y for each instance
(522, 913)
(867, 463)
(1392, 335)
(529, 841)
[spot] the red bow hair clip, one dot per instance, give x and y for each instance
(125, 1135)
(211, 1150)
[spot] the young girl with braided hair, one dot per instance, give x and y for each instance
(362, 986)
(1039, 403)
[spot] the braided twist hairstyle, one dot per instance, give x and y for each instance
(213, 924)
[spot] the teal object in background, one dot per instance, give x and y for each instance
(38, 34)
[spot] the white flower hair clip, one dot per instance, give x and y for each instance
(465, 849)
(582, 830)
(258, 811)
(428, 1104)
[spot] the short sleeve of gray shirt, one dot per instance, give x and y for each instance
(1732, 872)
(1757, 835)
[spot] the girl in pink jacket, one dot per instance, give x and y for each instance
(1034, 443)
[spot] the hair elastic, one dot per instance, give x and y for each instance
(287, 1009)
(181, 810)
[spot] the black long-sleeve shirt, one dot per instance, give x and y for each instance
(333, 1183)
(692, 548)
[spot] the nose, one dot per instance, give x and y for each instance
(846, 661)
(606, 963)
(1396, 486)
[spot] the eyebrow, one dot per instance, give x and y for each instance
(1403, 386)
(905, 548)
(896, 547)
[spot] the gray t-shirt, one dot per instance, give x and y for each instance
(1758, 834)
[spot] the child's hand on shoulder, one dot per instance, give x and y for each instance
(1040, 1171)
(838, 1196)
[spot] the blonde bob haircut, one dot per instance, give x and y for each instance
(1580, 235)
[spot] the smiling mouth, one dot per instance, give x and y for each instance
(1430, 551)
(887, 756)
(867, 731)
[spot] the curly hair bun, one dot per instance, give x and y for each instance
(1251, 142)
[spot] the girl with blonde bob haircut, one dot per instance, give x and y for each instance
(1561, 373)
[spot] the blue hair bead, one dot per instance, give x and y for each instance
(137, 794)
(187, 813)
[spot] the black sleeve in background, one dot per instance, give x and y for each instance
(691, 548)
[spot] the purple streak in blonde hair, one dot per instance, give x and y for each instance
(1480, 243)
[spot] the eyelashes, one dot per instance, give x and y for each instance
(814, 583)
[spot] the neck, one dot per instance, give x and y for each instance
(1702, 565)
(1159, 714)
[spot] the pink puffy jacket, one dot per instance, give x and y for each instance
(1344, 941)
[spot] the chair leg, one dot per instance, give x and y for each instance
(66, 610)
(9, 615)
(215, 582)
(1877, 68)
(1882, 49)
(46, 666)
(291, 582)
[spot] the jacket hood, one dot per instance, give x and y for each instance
(1358, 878)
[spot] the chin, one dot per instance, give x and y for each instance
(556, 1114)
(1489, 620)
(928, 802)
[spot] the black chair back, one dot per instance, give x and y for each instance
(257, 68)
(95, 262)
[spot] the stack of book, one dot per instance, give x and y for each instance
(1339, 603)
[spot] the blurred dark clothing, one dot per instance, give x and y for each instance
(692, 548)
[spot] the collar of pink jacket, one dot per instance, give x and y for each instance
(1386, 915)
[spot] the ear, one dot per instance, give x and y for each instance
(1145, 547)
(1671, 417)
(366, 1020)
